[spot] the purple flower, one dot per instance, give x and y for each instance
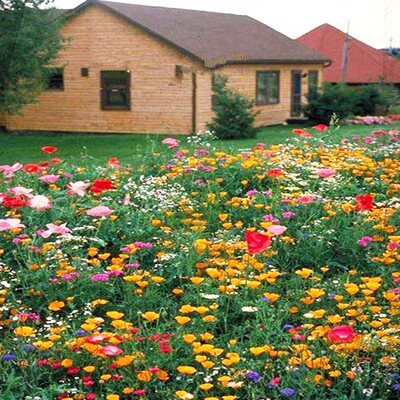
(396, 387)
(254, 376)
(9, 357)
(287, 327)
(287, 392)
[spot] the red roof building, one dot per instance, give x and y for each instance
(364, 63)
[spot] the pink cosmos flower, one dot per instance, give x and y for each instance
(326, 172)
(306, 199)
(77, 188)
(9, 170)
(53, 228)
(10, 223)
(21, 191)
(276, 229)
(99, 211)
(49, 178)
(171, 143)
(39, 202)
(111, 350)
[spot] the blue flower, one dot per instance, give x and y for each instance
(254, 376)
(9, 357)
(288, 392)
(287, 327)
(396, 387)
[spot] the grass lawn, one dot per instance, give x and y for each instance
(25, 147)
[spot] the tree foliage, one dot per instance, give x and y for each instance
(234, 117)
(30, 40)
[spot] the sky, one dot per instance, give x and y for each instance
(374, 22)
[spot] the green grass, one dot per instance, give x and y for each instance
(25, 147)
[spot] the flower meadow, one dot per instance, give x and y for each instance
(270, 273)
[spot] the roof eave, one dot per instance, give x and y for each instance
(211, 65)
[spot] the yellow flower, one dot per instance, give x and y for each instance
(182, 394)
(25, 331)
(182, 320)
(315, 293)
(112, 397)
(206, 386)
(124, 361)
(150, 316)
(186, 370)
(114, 314)
(56, 305)
(304, 272)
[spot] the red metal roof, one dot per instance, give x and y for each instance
(364, 63)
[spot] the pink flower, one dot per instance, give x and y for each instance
(53, 228)
(326, 173)
(365, 240)
(21, 191)
(342, 334)
(77, 188)
(39, 203)
(99, 211)
(111, 350)
(49, 178)
(100, 277)
(369, 139)
(276, 229)
(306, 199)
(10, 223)
(9, 170)
(171, 143)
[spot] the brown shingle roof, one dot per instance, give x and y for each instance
(214, 38)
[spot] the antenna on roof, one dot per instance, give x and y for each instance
(345, 53)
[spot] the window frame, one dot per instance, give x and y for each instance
(104, 87)
(276, 73)
(310, 86)
(55, 84)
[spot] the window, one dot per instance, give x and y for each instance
(115, 90)
(312, 80)
(56, 79)
(267, 91)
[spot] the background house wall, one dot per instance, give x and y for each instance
(243, 78)
(99, 40)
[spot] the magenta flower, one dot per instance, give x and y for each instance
(365, 240)
(100, 278)
(99, 211)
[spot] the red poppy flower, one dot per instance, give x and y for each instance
(364, 202)
(275, 173)
(257, 242)
(320, 128)
(31, 168)
(56, 160)
(13, 202)
(342, 334)
(100, 185)
(49, 149)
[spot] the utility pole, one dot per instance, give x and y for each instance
(345, 54)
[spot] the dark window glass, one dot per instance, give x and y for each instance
(56, 79)
(267, 91)
(312, 80)
(115, 90)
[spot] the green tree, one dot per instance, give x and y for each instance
(234, 117)
(30, 40)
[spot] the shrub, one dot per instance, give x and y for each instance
(329, 100)
(371, 100)
(345, 101)
(234, 117)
